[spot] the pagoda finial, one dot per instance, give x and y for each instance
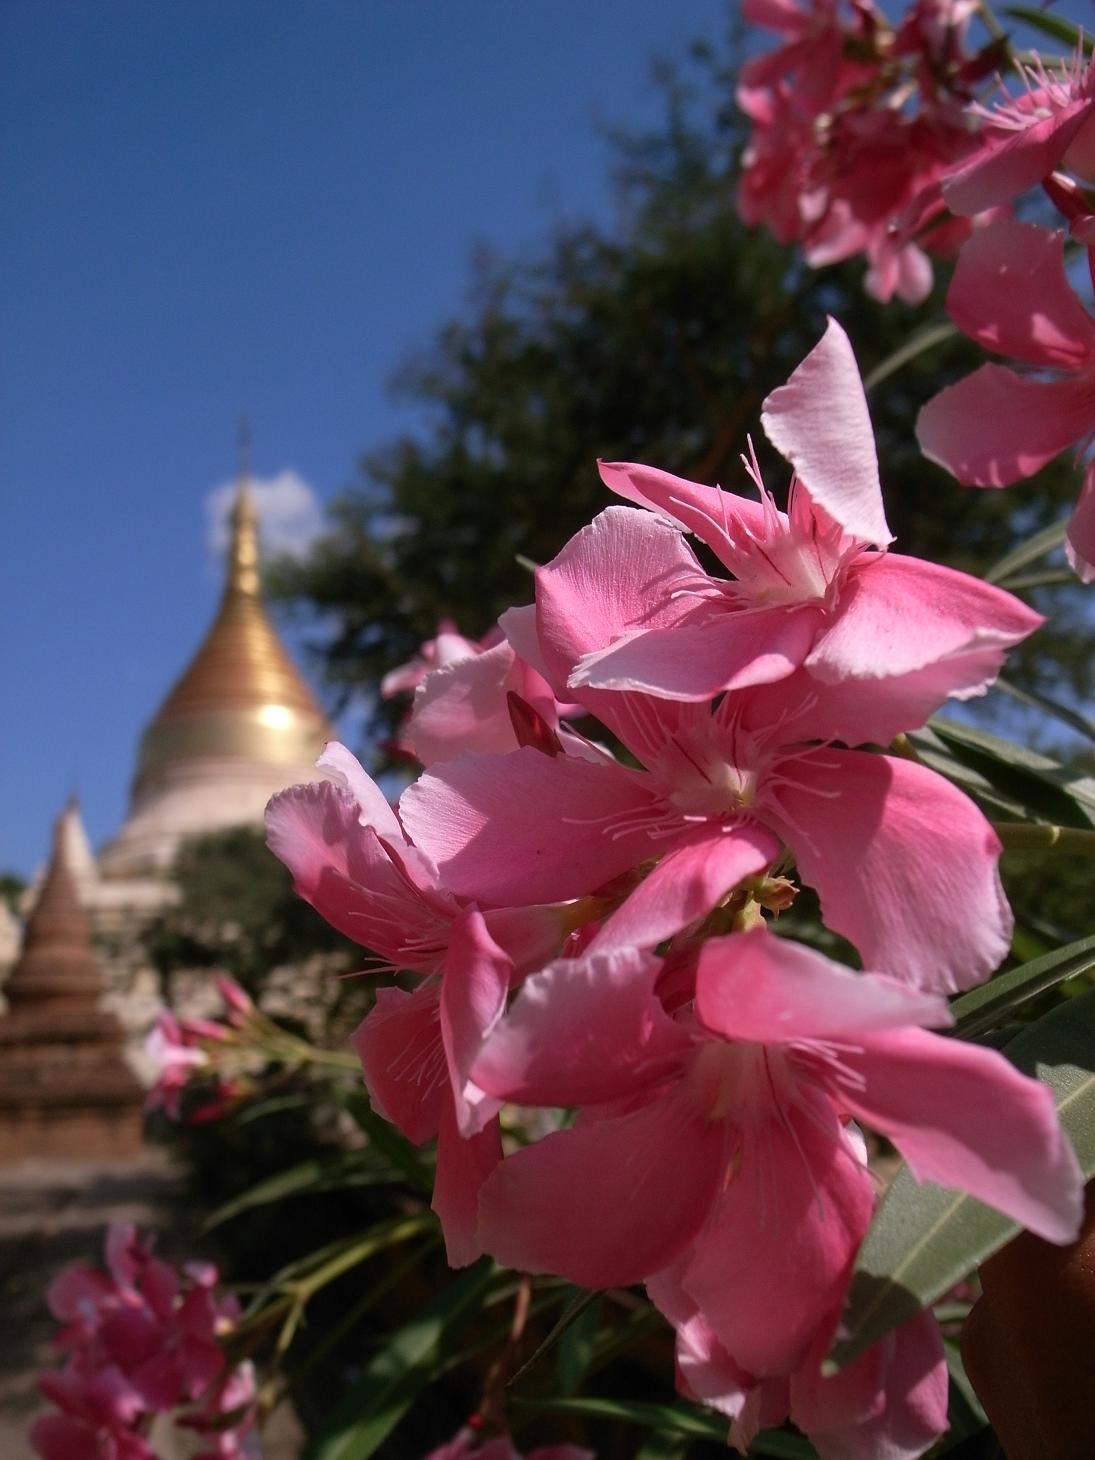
(243, 552)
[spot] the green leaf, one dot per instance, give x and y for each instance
(1065, 713)
(1028, 552)
(384, 1138)
(576, 1348)
(923, 1238)
(321, 1173)
(579, 1302)
(986, 1006)
(400, 1371)
(674, 1419)
(1057, 29)
(1022, 781)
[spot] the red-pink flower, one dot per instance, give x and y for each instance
(714, 1142)
(723, 790)
(1011, 294)
(626, 606)
(1025, 138)
(890, 1402)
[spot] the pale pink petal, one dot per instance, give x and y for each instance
(775, 1256)
(1004, 168)
(463, 707)
(888, 1404)
(996, 427)
(621, 572)
(1080, 543)
(695, 661)
(1010, 293)
(905, 865)
(463, 1165)
(375, 892)
(526, 827)
(694, 874)
(608, 1203)
(529, 936)
(583, 1031)
(720, 519)
(706, 1370)
(756, 986)
(403, 1059)
(897, 615)
(473, 999)
(819, 422)
(963, 1117)
(373, 806)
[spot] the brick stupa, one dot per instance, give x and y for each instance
(65, 1088)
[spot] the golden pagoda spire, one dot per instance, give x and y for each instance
(243, 552)
(241, 695)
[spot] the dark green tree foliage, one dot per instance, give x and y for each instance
(655, 341)
(237, 912)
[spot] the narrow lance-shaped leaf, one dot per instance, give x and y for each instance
(923, 1238)
(988, 1005)
(400, 1371)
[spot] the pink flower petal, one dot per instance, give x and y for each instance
(608, 1203)
(759, 987)
(819, 422)
(582, 1032)
(888, 1404)
(717, 518)
(473, 999)
(1010, 293)
(691, 878)
(995, 427)
(905, 865)
(619, 573)
(963, 1117)
(696, 661)
(775, 1256)
(1003, 169)
(1080, 544)
(403, 1059)
(463, 707)
(372, 804)
(899, 615)
(463, 1164)
(526, 827)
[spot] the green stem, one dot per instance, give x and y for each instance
(1033, 836)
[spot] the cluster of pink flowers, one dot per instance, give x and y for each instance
(842, 160)
(1011, 293)
(589, 928)
(142, 1342)
(855, 124)
(187, 1052)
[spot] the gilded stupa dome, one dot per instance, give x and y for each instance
(239, 723)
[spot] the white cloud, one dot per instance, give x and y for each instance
(290, 514)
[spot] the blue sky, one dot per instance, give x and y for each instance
(240, 205)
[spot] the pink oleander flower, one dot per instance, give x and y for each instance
(468, 1444)
(626, 605)
(447, 647)
(722, 790)
(469, 705)
(142, 1338)
(854, 128)
(1011, 294)
(714, 1143)
(889, 1402)
(1026, 138)
(351, 859)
